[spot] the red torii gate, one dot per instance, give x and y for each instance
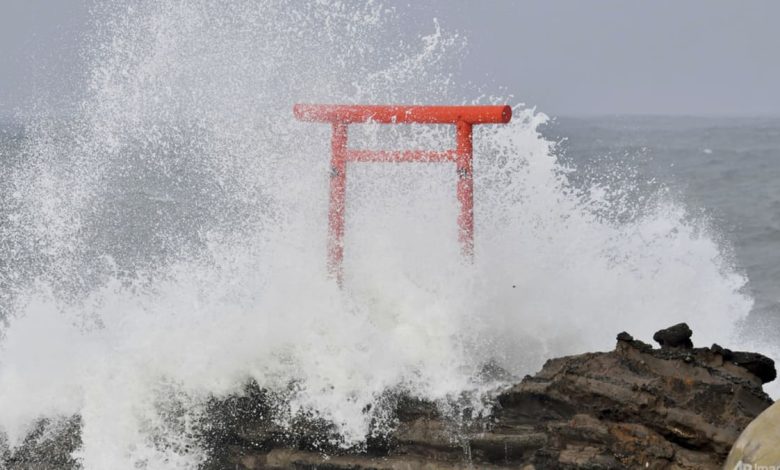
(340, 116)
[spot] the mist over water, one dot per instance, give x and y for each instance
(167, 244)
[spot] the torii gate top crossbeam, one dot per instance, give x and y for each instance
(351, 114)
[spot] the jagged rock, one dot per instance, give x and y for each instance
(633, 407)
(760, 365)
(677, 336)
(624, 336)
(635, 343)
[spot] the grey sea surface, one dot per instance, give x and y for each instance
(724, 170)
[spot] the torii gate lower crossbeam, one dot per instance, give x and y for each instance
(340, 116)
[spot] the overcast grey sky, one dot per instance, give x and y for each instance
(627, 56)
(39, 43)
(566, 57)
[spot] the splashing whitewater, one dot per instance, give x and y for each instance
(167, 243)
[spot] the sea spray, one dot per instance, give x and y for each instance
(168, 241)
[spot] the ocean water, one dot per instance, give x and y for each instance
(164, 243)
(724, 170)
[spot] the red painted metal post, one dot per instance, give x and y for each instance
(465, 166)
(338, 188)
(340, 116)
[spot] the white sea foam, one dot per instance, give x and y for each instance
(126, 304)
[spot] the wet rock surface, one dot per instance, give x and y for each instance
(676, 336)
(633, 407)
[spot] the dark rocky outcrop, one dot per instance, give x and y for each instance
(760, 365)
(676, 336)
(633, 407)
